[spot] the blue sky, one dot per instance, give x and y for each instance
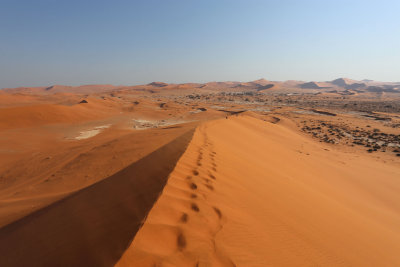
(45, 42)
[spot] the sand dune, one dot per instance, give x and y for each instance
(253, 193)
(14, 117)
(83, 89)
(93, 226)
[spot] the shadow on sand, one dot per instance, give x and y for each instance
(95, 225)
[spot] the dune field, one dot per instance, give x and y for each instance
(218, 174)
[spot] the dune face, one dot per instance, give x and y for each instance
(268, 196)
(342, 82)
(309, 85)
(44, 114)
(355, 86)
(53, 89)
(93, 226)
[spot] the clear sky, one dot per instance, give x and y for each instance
(45, 42)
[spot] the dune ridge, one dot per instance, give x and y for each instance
(182, 227)
(93, 226)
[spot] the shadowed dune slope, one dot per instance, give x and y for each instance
(247, 192)
(94, 226)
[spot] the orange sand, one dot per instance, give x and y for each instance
(252, 193)
(250, 190)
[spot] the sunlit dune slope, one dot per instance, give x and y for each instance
(253, 193)
(14, 117)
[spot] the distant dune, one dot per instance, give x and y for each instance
(83, 89)
(342, 82)
(313, 85)
(356, 86)
(46, 114)
(233, 86)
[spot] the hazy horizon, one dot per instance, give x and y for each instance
(199, 82)
(131, 42)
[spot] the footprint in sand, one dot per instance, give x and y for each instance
(195, 207)
(184, 218)
(218, 211)
(193, 186)
(207, 180)
(210, 187)
(199, 158)
(181, 241)
(195, 172)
